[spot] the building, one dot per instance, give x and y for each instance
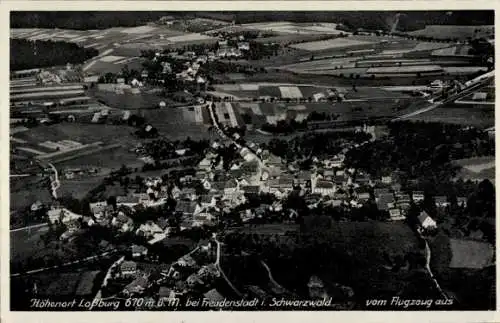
(128, 268)
(139, 251)
(324, 187)
(385, 201)
(396, 214)
(213, 296)
(426, 222)
(417, 196)
(441, 201)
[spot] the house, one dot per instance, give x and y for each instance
(324, 187)
(274, 160)
(386, 179)
(213, 296)
(403, 198)
(426, 222)
(128, 268)
(341, 180)
(136, 287)
(251, 189)
(385, 201)
(396, 214)
(319, 97)
(62, 215)
(462, 201)
(99, 208)
(379, 191)
(188, 194)
(186, 261)
(149, 229)
(441, 201)
(165, 293)
(230, 187)
(207, 200)
(138, 251)
(203, 219)
(127, 200)
(186, 208)
(417, 196)
(362, 179)
(244, 46)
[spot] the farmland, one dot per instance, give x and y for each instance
(454, 32)
(330, 44)
(477, 169)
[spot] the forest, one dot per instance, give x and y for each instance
(26, 54)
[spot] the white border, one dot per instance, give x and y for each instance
(174, 317)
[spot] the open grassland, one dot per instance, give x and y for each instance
(330, 44)
(464, 114)
(449, 31)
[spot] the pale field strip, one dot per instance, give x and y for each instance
(198, 114)
(111, 58)
(101, 46)
(46, 94)
(232, 115)
(78, 98)
(99, 37)
(300, 107)
(445, 51)
(396, 51)
(31, 150)
(18, 140)
(464, 69)
(89, 65)
(19, 129)
(82, 147)
(249, 87)
(47, 89)
(402, 61)
(92, 45)
(330, 44)
(22, 85)
(477, 168)
(188, 37)
(227, 87)
(291, 92)
(139, 30)
(127, 60)
(429, 46)
(403, 69)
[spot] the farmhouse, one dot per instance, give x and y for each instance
(324, 188)
(128, 268)
(426, 222)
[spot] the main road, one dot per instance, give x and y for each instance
(478, 82)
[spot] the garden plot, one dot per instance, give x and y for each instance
(337, 43)
(291, 92)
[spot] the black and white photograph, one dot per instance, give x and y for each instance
(252, 160)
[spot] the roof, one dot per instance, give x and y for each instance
(423, 216)
(128, 264)
(140, 282)
(440, 199)
(185, 207)
(139, 249)
(252, 189)
(324, 184)
(213, 295)
(383, 200)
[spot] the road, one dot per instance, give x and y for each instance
(483, 80)
(223, 274)
(54, 183)
(69, 263)
(34, 226)
(223, 135)
(271, 278)
(108, 276)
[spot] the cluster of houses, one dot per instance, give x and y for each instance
(190, 273)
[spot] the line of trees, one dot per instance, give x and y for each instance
(27, 54)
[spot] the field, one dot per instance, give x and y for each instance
(458, 32)
(330, 44)
(26, 191)
(296, 28)
(471, 254)
(178, 123)
(477, 168)
(465, 114)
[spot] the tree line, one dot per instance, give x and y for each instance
(27, 54)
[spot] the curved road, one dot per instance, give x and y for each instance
(223, 274)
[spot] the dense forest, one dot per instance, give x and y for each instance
(82, 19)
(26, 54)
(383, 20)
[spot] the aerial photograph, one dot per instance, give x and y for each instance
(252, 161)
